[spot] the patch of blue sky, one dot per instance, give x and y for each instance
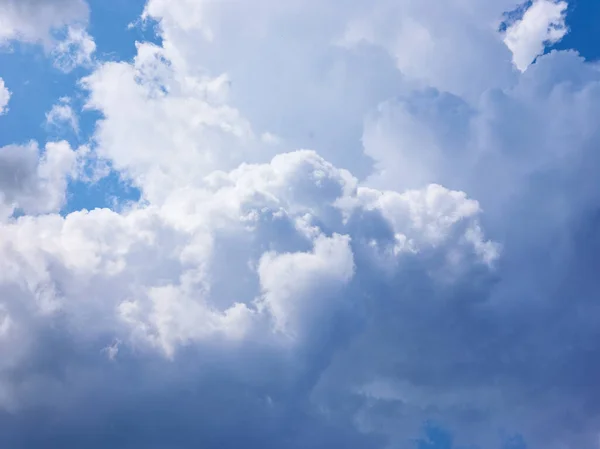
(437, 437)
(583, 17)
(115, 40)
(36, 85)
(109, 25)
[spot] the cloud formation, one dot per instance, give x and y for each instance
(62, 115)
(75, 50)
(543, 23)
(4, 97)
(430, 258)
(59, 26)
(34, 21)
(33, 181)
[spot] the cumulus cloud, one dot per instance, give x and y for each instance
(34, 181)
(431, 136)
(58, 25)
(522, 153)
(4, 97)
(338, 62)
(543, 23)
(35, 20)
(263, 295)
(104, 275)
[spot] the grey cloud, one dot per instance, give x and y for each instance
(34, 181)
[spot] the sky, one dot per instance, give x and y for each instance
(300, 224)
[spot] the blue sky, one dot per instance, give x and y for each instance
(36, 85)
(299, 224)
(583, 35)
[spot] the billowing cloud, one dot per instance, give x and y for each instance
(525, 153)
(542, 23)
(33, 181)
(543, 125)
(58, 25)
(297, 226)
(430, 259)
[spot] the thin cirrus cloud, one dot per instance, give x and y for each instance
(415, 242)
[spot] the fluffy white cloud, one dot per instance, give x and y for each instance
(541, 126)
(58, 25)
(75, 50)
(167, 104)
(333, 64)
(266, 297)
(62, 114)
(455, 49)
(35, 20)
(156, 277)
(525, 153)
(290, 281)
(32, 181)
(4, 97)
(542, 23)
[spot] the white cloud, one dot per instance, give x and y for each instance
(58, 25)
(76, 49)
(429, 136)
(542, 24)
(454, 49)
(4, 97)
(166, 104)
(141, 291)
(466, 56)
(62, 114)
(34, 181)
(297, 305)
(35, 20)
(292, 281)
(525, 154)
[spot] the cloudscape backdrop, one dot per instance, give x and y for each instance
(299, 224)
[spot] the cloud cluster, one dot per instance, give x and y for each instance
(296, 234)
(543, 23)
(35, 20)
(32, 181)
(58, 25)
(74, 50)
(431, 258)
